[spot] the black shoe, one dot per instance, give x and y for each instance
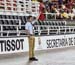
(33, 59)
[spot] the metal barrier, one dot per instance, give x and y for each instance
(48, 30)
(17, 26)
(55, 15)
(17, 31)
(39, 29)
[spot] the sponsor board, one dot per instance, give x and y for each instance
(13, 45)
(20, 44)
(57, 41)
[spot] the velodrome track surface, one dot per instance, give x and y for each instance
(64, 56)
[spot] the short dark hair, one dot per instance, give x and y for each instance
(29, 17)
(40, 0)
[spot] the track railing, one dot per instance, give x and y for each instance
(39, 29)
(42, 29)
(45, 29)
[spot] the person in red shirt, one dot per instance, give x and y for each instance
(41, 11)
(69, 4)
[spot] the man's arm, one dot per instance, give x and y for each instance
(27, 32)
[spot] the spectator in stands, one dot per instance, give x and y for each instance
(53, 9)
(62, 9)
(41, 11)
(73, 9)
(60, 2)
(64, 15)
(31, 38)
(46, 4)
(50, 4)
(71, 14)
(47, 10)
(69, 4)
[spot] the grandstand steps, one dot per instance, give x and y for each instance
(17, 23)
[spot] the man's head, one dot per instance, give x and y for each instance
(30, 18)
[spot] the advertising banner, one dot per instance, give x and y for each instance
(57, 41)
(21, 44)
(13, 45)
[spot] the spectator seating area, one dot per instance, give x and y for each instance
(53, 27)
(11, 23)
(14, 25)
(51, 23)
(13, 18)
(59, 9)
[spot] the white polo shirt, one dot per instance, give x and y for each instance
(29, 27)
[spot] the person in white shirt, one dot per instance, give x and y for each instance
(31, 38)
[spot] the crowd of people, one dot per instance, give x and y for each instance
(61, 9)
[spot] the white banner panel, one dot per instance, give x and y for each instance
(13, 45)
(57, 41)
(20, 44)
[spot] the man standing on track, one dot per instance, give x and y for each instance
(31, 38)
